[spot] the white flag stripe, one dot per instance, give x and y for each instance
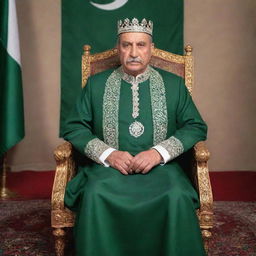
(13, 44)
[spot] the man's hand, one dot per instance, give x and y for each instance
(121, 160)
(145, 161)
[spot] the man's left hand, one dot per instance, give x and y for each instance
(145, 161)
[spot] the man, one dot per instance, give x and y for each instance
(135, 121)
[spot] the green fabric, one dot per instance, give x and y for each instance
(82, 23)
(11, 98)
(139, 215)
(4, 22)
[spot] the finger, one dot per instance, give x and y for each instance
(123, 171)
(137, 162)
(127, 164)
(131, 164)
(127, 159)
(137, 171)
(147, 169)
(141, 167)
(120, 168)
(143, 164)
(134, 160)
(129, 170)
(125, 167)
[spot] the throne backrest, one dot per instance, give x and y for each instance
(181, 65)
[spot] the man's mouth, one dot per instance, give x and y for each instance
(134, 61)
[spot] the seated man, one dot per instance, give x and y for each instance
(133, 198)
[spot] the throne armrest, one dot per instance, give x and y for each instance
(65, 170)
(202, 156)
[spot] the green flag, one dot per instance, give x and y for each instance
(95, 23)
(11, 98)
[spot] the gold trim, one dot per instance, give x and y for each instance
(205, 213)
(167, 56)
(189, 69)
(104, 55)
(62, 218)
(65, 170)
(86, 65)
(59, 235)
(202, 156)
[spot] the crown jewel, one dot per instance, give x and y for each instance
(135, 26)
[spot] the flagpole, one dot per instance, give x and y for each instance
(5, 193)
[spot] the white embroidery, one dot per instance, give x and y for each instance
(111, 106)
(159, 109)
(95, 148)
(136, 79)
(111, 109)
(173, 146)
(135, 100)
(136, 129)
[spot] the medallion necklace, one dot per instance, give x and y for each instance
(136, 128)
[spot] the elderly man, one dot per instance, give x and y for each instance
(133, 198)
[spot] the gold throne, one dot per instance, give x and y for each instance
(197, 169)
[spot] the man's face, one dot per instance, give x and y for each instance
(134, 52)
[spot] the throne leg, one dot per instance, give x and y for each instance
(59, 235)
(206, 237)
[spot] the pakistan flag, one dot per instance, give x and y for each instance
(95, 23)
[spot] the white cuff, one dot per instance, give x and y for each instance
(164, 153)
(105, 155)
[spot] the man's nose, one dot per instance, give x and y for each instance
(134, 51)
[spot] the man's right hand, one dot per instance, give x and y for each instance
(120, 160)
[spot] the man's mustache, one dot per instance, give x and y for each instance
(136, 59)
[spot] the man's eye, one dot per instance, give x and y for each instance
(141, 44)
(125, 45)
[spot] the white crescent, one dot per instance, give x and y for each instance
(112, 6)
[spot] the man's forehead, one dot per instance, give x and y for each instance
(134, 36)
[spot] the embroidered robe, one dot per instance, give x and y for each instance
(134, 215)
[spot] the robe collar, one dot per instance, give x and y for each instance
(135, 79)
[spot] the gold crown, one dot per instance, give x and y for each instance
(135, 26)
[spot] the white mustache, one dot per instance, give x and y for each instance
(136, 59)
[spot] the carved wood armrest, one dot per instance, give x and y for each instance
(65, 170)
(202, 156)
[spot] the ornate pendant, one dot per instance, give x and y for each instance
(136, 129)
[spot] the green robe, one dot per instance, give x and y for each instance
(134, 215)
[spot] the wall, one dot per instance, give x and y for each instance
(222, 32)
(39, 25)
